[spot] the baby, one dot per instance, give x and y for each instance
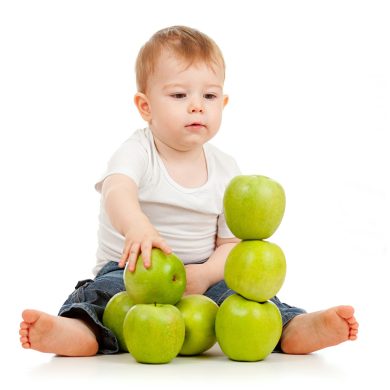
(163, 188)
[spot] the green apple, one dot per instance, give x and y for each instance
(154, 333)
(255, 269)
(247, 330)
(199, 314)
(163, 282)
(254, 206)
(115, 313)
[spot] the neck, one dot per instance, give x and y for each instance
(168, 153)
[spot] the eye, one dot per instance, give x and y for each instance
(210, 96)
(178, 95)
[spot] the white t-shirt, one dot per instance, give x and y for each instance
(189, 219)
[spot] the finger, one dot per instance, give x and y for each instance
(125, 256)
(134, 251)
(163, 246)
(146, 249)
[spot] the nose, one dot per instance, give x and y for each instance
(196, 105)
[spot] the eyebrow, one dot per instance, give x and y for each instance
(175, 85)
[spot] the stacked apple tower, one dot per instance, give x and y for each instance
(248, 325)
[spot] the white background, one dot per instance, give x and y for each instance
(309, 87)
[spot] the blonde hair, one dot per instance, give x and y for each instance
(187, 43)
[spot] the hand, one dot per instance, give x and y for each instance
(197, 279)
(141, 239)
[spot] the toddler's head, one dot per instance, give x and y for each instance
(186, 44)
(180, 77)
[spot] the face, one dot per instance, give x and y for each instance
(183, 104)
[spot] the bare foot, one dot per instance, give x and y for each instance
(310, 332)
(60, 335)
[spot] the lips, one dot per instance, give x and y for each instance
(196, 124)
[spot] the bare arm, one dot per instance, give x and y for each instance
(120, 197)
(202, 276)
(216, 263)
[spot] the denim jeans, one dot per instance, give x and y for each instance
(90, 297)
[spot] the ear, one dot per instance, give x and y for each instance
(225, 100)
(142, 103)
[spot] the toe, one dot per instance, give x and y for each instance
(354, 326)
(345, 312)
(30, 316)
(23, 332)
(352, 321)
(353, 332)
(24, 325)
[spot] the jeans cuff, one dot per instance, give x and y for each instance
(108, 343)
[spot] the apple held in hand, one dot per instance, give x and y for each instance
(255, 269)
(254, 206)
(164, 282)
(199, 314)
(154, 333)
(247, 330)
(114, 315)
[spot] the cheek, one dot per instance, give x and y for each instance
(161, 112)
(217, 115)
(170, 113)
(166, 118)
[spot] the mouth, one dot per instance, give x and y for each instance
(195, 125)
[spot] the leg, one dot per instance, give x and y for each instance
(304, 332)
(288, 312)
(220, 291)
(313, 331)
(77, 330)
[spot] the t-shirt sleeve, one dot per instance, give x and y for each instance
(223, 229)
(131, 159)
